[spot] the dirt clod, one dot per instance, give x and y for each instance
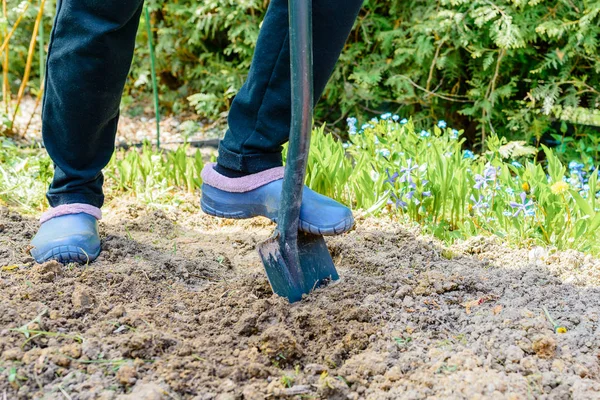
(146, 391)
(82, 297)
(544, 346)
(71, 350)
(48, 272)
(279, 345)
(14, 354)
(127, 375)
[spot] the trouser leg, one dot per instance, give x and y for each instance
(89, 57)
(260, 115)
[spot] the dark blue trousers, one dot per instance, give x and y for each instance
(90, 55)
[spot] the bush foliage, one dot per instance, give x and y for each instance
(509, 67)
(515, 68)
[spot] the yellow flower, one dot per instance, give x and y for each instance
(561, 329)
(559, 187)
(525, 186)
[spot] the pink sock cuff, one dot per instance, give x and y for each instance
(240, 185)
(68, 209)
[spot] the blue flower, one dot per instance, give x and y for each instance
(468, 154)
(351, 121)
(425, 133)
(517, 164)
(510, 191)
(404, 121)
(384, 152)
(507, 213)
(395, 117)
(426, 194)
(366, 126)
(454, 134)
(523, 206)
(386, 116)
(575, 166)
(442, 124)
(374, 121)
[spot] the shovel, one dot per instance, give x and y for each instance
(297, 262)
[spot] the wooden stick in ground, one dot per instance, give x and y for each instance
(30, 54)
(5, 85)
(14, 28)
(37, 103)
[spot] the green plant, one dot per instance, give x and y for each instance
(426, 176)
(154, 175)
(24, 176)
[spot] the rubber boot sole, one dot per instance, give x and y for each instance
(67, 255)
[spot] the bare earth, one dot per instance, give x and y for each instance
(178, 307)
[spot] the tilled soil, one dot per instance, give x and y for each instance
(177, 307)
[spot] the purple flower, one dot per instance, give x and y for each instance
(489, 175)
(479, 204)
(407, 171)
(411, 196)
(398, 201)
(523, 206)
(391, 178)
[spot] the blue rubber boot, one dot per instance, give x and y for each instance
(319, 214)
(67, 239)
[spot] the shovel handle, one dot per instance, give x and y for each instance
(301, 62)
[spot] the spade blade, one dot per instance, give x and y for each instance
(287, 278)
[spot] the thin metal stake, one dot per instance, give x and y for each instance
(153, 73)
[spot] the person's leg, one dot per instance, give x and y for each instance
(89, 57)
(260, 115)
(246, 182)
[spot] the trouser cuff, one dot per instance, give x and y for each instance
(248, 163)
(59, 199)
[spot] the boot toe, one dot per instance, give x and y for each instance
(321, 215)
(67, 239)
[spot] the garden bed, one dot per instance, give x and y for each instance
(178, 307)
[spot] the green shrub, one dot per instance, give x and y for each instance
(512, 68)
(504, 67)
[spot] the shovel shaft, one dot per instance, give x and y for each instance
(301, 57)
